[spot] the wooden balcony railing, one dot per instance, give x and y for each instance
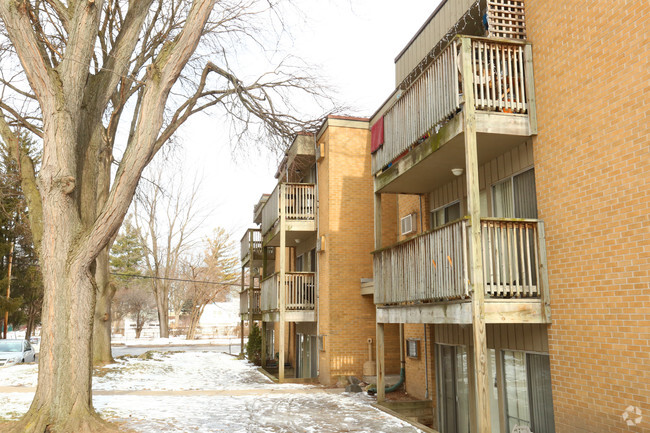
(511, 262)
(499, 84)
(252, 240)
(250, 301)
(300, 291)
(435, 267)
(429, 267)
(299, 203)
(243, 302)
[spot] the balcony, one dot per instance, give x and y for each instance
(426, 279)
(250, 304)
(252, 252)
(298, 202)
(299, 295)
(424, 120)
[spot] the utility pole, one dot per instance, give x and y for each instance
(11, 256)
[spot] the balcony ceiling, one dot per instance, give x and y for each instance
(435, 170)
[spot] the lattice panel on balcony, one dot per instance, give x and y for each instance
(506, 19)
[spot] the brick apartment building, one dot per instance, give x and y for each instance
(316, 234)
(516, 147)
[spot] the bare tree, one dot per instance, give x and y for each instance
(166, 218)
(210, 277)
(71, 71)
(137, 303)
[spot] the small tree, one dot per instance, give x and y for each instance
(218, 264)
(254, 345)
(136, 303)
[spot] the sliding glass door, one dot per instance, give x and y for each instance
(453, 388)
(528, 399)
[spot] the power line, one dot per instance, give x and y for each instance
(220, 283)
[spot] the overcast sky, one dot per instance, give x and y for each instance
(353, 44)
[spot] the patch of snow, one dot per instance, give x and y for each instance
(286, 408)
(332, 413)
(175, 371)
(19, 375)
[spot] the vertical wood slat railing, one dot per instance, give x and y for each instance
(434, 266)
(300, 204)
(429, 267)
(300, 201)
(253, 243)
(271, 210)
(255, 301)
(499, 76)
(432, 98)
(499, 84)
(300, 291)
(257, 242)
(510, 258)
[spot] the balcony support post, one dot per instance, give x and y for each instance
(381, 369)
(380, 362)
(480, 358)
(282, 283)
(264, 343)
(530, 88)
(242, 317)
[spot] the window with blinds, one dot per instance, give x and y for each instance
(528, 398)
(515, 197)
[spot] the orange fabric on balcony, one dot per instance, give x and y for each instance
(377, 135)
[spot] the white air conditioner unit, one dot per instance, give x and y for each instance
(407, 224)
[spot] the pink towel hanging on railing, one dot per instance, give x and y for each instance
(377, 135)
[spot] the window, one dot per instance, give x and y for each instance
(515, 197)
(445, 214)
(528, 399)
(412, 348)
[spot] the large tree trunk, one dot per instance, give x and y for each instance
(102, 326)
(62, 402)
(72, 239)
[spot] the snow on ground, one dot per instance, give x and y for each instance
(19, 375)
(269, 408)
(175, 371)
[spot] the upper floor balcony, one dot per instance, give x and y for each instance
(295, 203)
(428, 278)
(299, 297)
(423, 129)
(252, 252)
(250, 303)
